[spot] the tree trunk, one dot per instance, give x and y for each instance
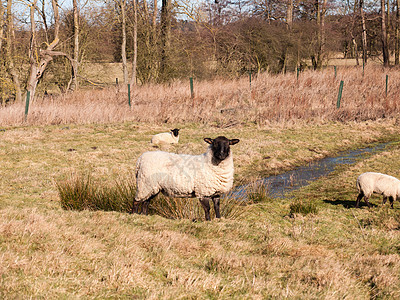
(9, 53)
(155, 12)
(396, 43)
(39, 66)
(134, 60)
(355, 49)
(165, 38)
(1, 24)
(385, 49)
(154, 41)
(364, 33)
(323, 37)
(320, 18)
(289, 14)
(388, 28)
(123, 46)
(76, 45)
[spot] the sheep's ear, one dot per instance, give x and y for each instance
(208, 140)
(233, 141)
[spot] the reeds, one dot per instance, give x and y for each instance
(272, 99)
(80, 192)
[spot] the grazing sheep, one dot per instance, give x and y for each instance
(171, 137)
(370, 182)
(203, 176)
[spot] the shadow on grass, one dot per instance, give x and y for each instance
(348, 203)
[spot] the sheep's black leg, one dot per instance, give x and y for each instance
(135, 207)
(384, 200)
(366, 201)
(206, 206)
(145, 205)
(216, 206)
(391, 200)
(360, 195)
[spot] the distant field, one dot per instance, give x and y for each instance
(107, 73)
(312, 245)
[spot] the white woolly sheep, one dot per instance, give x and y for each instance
(171, 137)
(371, 182)
(203, 176)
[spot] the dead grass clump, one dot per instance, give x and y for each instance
(257, 192)
(302, 207)
(81, 192)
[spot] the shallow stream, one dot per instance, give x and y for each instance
(281, 184)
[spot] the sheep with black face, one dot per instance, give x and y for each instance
(171, 137)
(204, 176)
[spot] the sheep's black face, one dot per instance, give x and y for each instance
(220, 147)
(175, 131)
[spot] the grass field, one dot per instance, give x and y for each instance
(271, 251)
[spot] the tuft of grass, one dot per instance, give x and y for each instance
(80, 192)
(257, 192)
(76, 193)
(302, 207)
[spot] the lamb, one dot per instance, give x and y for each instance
(204, 176)
(371, 182)
(171, 137)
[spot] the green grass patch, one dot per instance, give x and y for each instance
(302, 207)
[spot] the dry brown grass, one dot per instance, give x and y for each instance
(273, 99)
(338, 252)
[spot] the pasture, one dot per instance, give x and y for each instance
(272, 250)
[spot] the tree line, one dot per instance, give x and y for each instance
(45, 42)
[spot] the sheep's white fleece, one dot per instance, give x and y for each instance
(165, 137)
(371, 182)
(182, 175)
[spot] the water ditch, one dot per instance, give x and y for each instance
(279, 185)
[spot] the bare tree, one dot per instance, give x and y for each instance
(166, 14)
(39, 58)
(155, 11)
(122, 12)
(9, 52)
(289, 14)
(76, 43)
(1, 24)
(135, 44)
(363, 33)
(320, 10)
(385, 48)
(396, 48)
(353, 39)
